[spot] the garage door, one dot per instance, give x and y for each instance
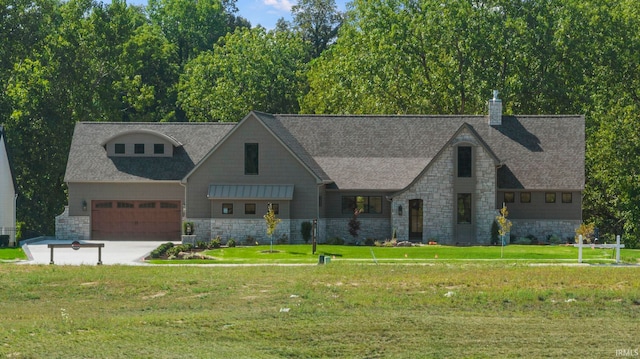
(135, 220)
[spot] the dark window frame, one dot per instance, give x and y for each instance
(350, 203)
(550, 197)
(251, 159)
(567, 197)
(525, 197)
(227, 208)
(158, 148)
(509, 197)
(119, 149)
(248, 210)
(138, 148)
(275, 207)
(465, 161)
(466, 215)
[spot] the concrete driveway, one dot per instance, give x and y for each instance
(114, 252)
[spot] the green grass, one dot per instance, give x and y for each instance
(342, 310)
(11, 254)
(303, 254)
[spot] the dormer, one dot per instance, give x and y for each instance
(140, 143)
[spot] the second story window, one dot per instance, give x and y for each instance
(464, 161)
(250, 158)
(119, 148)
(138, 148)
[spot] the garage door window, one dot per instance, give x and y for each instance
(125, 205)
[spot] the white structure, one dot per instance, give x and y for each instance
(7, 194)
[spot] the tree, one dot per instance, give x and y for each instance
(318, 21)
(272, 221)
(504, 225)
(223, 85)
(354, 223)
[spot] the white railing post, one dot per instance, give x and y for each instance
(580, 248)
(618, 248)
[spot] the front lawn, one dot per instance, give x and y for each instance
(288, 254)
(12, 254)
(343, 310)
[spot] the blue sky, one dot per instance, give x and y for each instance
(261, 12)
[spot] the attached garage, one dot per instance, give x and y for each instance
(135, 220)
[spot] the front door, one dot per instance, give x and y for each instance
(464, 219)
(415, 220)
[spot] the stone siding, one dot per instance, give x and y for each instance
(74, 228)
(376, 228)
(543, 228)
(485, 195)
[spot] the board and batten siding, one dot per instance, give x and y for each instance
(539, 209)
(276, 166)
(87, 191)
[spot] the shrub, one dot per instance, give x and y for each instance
(532, 238)
(305, 230)
(586, 230)
(231, 243)
(553, 239)
(215, 243)
(175, 250)
(391, 243)
(335, 241)
(250, 241)
(283, 239)
(522, 240)
(495, 233)
(369, 242)
(201, 244)
(4, 240)
(161, 250)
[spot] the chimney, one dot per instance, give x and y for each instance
(495, 110)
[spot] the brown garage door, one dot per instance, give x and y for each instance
(135, 220)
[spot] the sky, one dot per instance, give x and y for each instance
(261, 12)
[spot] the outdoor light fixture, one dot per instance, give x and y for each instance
(84, 205)
(400, 210)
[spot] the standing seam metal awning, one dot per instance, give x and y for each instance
(257, 192)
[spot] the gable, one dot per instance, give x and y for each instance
(89, 160)
(7, 180)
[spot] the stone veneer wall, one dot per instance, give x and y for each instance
(73, 228)
(436, 189)
(376, 228)
(239, 229)
(543, 228)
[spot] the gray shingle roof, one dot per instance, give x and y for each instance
(88, 160)
(388, 152)
(356, 152)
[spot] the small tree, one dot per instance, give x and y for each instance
(504, 225)
(586, 230)
(305, 230)
(272, 222)
(354, 224)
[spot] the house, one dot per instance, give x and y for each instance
(425, 178)
(8, 194)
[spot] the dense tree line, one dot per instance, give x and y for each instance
(184, 60)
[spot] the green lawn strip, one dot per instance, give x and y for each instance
(344, 310)
(303, 254)
(12, 254)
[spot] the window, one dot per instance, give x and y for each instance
(567, 197)
(158, 148)
(464, 208)
(276, 208)
(227, 208)
(249, 208)
(119, 148)
(104, 205)
(168, 205)
(550, 197)
(147, 205)
(525, 197)
(509, 197)
(464, 161)
(125, 205)
(365, 204)
(250, 158)
(138, 148)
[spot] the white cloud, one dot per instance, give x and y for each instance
(280, 4)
